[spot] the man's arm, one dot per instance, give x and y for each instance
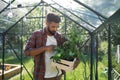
(37, 51)
(30, 49)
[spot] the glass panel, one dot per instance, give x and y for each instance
(80, 14)
(105, 7)
(23, 2)
(77, 11)
(2, 5)
(72, 9)
(12, 14)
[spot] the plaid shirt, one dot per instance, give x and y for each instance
(37, 40)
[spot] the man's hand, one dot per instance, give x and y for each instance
(50, 48)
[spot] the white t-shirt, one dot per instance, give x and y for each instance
(50, 70)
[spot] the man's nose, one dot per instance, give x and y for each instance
(55, 29)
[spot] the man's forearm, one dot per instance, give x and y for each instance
(37, 51)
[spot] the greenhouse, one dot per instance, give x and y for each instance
(92, 26)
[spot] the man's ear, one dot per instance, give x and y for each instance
(46, 23)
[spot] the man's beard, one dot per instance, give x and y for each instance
(51, 32)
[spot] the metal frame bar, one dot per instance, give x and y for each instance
(3, 40)
(75, 15)
(69, 18)
(22, 18)
(6, 6)
(109, 53)
(26, 6)
(107, 21)
(21, 43)
(5, 1)
(82, 12)
(97, 13)
(3, 54)
(19, 59)
(91, 56)
(65, 25)
(42, 13)
(96, 73)
(39, 17)
(66, 16)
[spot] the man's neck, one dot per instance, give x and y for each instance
(48, 33)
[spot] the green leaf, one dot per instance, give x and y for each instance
(71, 53)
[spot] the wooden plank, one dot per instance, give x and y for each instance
(15, 69)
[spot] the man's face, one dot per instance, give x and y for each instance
(52, 27)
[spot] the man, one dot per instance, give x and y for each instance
(41, 45)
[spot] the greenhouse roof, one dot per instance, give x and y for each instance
(113, 21)
(86, 13)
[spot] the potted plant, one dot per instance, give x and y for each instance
(67, 55)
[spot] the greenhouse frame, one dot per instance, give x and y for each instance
(18, 21)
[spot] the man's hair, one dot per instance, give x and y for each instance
(51, 17)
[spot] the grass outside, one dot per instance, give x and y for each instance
(77, 74)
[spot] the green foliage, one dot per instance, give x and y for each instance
(103, 47)
(115, 65)
(68, 50)
(116, 34)
(65, 52)
(77, 74)
(117, 68)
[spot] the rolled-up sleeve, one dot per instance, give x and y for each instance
(30, 44)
